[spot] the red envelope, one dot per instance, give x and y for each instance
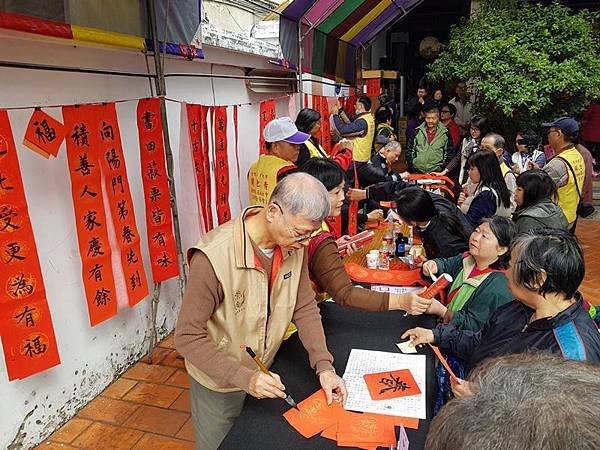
(314, 415)
(365, 430)
(443, 361)
(391, 384)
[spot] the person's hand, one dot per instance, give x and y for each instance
(443, 173)
(335, 108)
(419, 336)
(266, 386)
(350, 249)
(436, 308)
(461, 388)
(405, 175)
(461, 198)
(532, 165)
(334, 387)
(356, 195)
(375, 215)
(422, 100)
(430, 268)
(413, 304)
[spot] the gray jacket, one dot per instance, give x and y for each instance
(540, 215)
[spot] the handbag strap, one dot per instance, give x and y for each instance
(574, 176)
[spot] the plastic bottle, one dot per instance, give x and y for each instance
(400, 246)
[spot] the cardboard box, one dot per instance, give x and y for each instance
(372, 74)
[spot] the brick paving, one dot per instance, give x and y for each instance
(149, 406)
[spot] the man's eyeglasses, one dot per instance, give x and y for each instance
(297, 237)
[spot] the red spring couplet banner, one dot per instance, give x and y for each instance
(159, 216)
(44, 134)
(325, 126)
(373, 87)
(221, 164)
(116, 184)
(204, 111)
(201, 161)
(26, 326)
(90, 218)
(316, 105)
(267, 113)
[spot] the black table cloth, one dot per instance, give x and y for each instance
(261, 424)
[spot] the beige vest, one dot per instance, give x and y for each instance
(241, 318)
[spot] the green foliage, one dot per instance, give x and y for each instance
(525, 63)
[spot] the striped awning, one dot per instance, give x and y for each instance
(333, 29)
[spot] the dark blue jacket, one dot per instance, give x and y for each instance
(572, 334)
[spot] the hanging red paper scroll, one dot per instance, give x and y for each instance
(353, 208)
(44, 134)
(267, 113)
(373, 87)
(200, 157)
(204, 111)
(116, 184)
(159, 219)
(325, 126)
(316, 105)
(26, 326)
(221, 164)
(90, 219)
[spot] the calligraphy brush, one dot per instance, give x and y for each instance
(289, 400)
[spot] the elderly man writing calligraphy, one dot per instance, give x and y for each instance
(248, 280)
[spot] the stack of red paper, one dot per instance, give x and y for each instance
(349, 429)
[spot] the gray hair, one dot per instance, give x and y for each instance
(301, 194)
(393, 146)
(528, 401)
(499, 141)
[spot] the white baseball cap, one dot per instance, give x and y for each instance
(284, 129)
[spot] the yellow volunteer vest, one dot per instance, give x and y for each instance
(504, 168)
(262, 178)
(242, 317)
(568, 198)
(363, 145)
(314, 151)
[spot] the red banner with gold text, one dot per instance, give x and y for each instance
(159, 217)
(90, 218)
(221, 164)
(267, 113)
(26, 326)
(116, 183)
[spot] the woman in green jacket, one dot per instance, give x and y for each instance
(480, 286)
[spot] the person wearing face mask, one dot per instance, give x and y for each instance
(283, 141)
(362, 128)
(444, 229)
(326, 267)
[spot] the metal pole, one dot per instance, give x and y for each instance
(300, 82)
(162, 91)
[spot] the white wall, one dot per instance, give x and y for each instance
(93, 357)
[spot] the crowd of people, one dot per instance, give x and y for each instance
(506, 237)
